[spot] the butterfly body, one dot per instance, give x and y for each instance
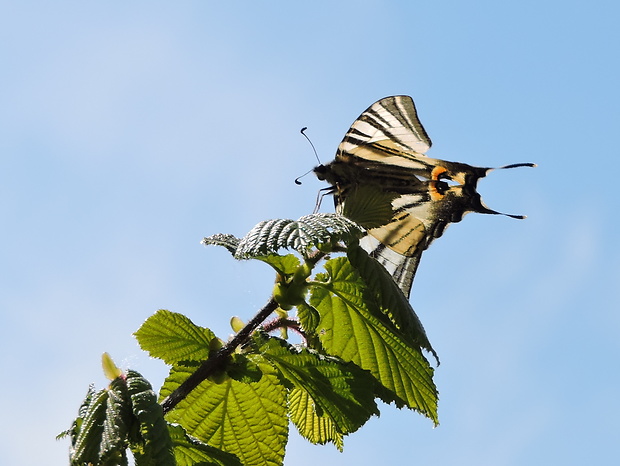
(382, 160)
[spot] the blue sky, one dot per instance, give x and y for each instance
(128, 131)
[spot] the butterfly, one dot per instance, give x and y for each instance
(382, 179)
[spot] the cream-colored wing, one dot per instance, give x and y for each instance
(391, 122)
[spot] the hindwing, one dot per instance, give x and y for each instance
(384, 153)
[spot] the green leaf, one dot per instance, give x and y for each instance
(318, 430)
(390, 298)
(86, 439)
(270, 236)
(189, 451)
(245, 419)
(100, 433)
(74, 430)
(243, 369)
(340, 391)
(116, 425)
(284, 265)
(153, 446)
(309, 318)
(353, 327)
(230, 242)
(173, 337)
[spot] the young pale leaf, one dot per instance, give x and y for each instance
(340, 391)
(230, 242)
(153, 445)
(245, 419)
(110, 370)
(189, 451)
(173, 337)
(311, 230)
(390, 298)
(354, 328)
(236, 324)
(315, 429)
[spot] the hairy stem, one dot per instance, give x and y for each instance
(210, 365)
(291, 324)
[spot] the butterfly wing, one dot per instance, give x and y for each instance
(385, 150)
(391, 122)
(401, 268)
(385, 146)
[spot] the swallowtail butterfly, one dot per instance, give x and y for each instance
(380, 164)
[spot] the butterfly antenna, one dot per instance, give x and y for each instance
(298, 178)
(313, 148)
(315, 154)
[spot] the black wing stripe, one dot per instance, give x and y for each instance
(393, 118)
(358, 137)
(401, 268)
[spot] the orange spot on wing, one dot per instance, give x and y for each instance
(432, 185)
(437, 171)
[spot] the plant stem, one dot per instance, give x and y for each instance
(209, 366)
(291, 324)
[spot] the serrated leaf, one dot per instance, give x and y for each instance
(389, 297)
(245, 419)
(189, 451)
(87, 439)
(74, 430)
(116, 425)
(340, 391)
(284, 265)
(318, 430)
(173, 337)
(340, 227)
(243, 369)
(309, 318)
(227, 241)
(354, 328)
(154, 445)
(100, 433)
(270, 236)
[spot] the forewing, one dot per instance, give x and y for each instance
(385, 147)
(391, 122)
